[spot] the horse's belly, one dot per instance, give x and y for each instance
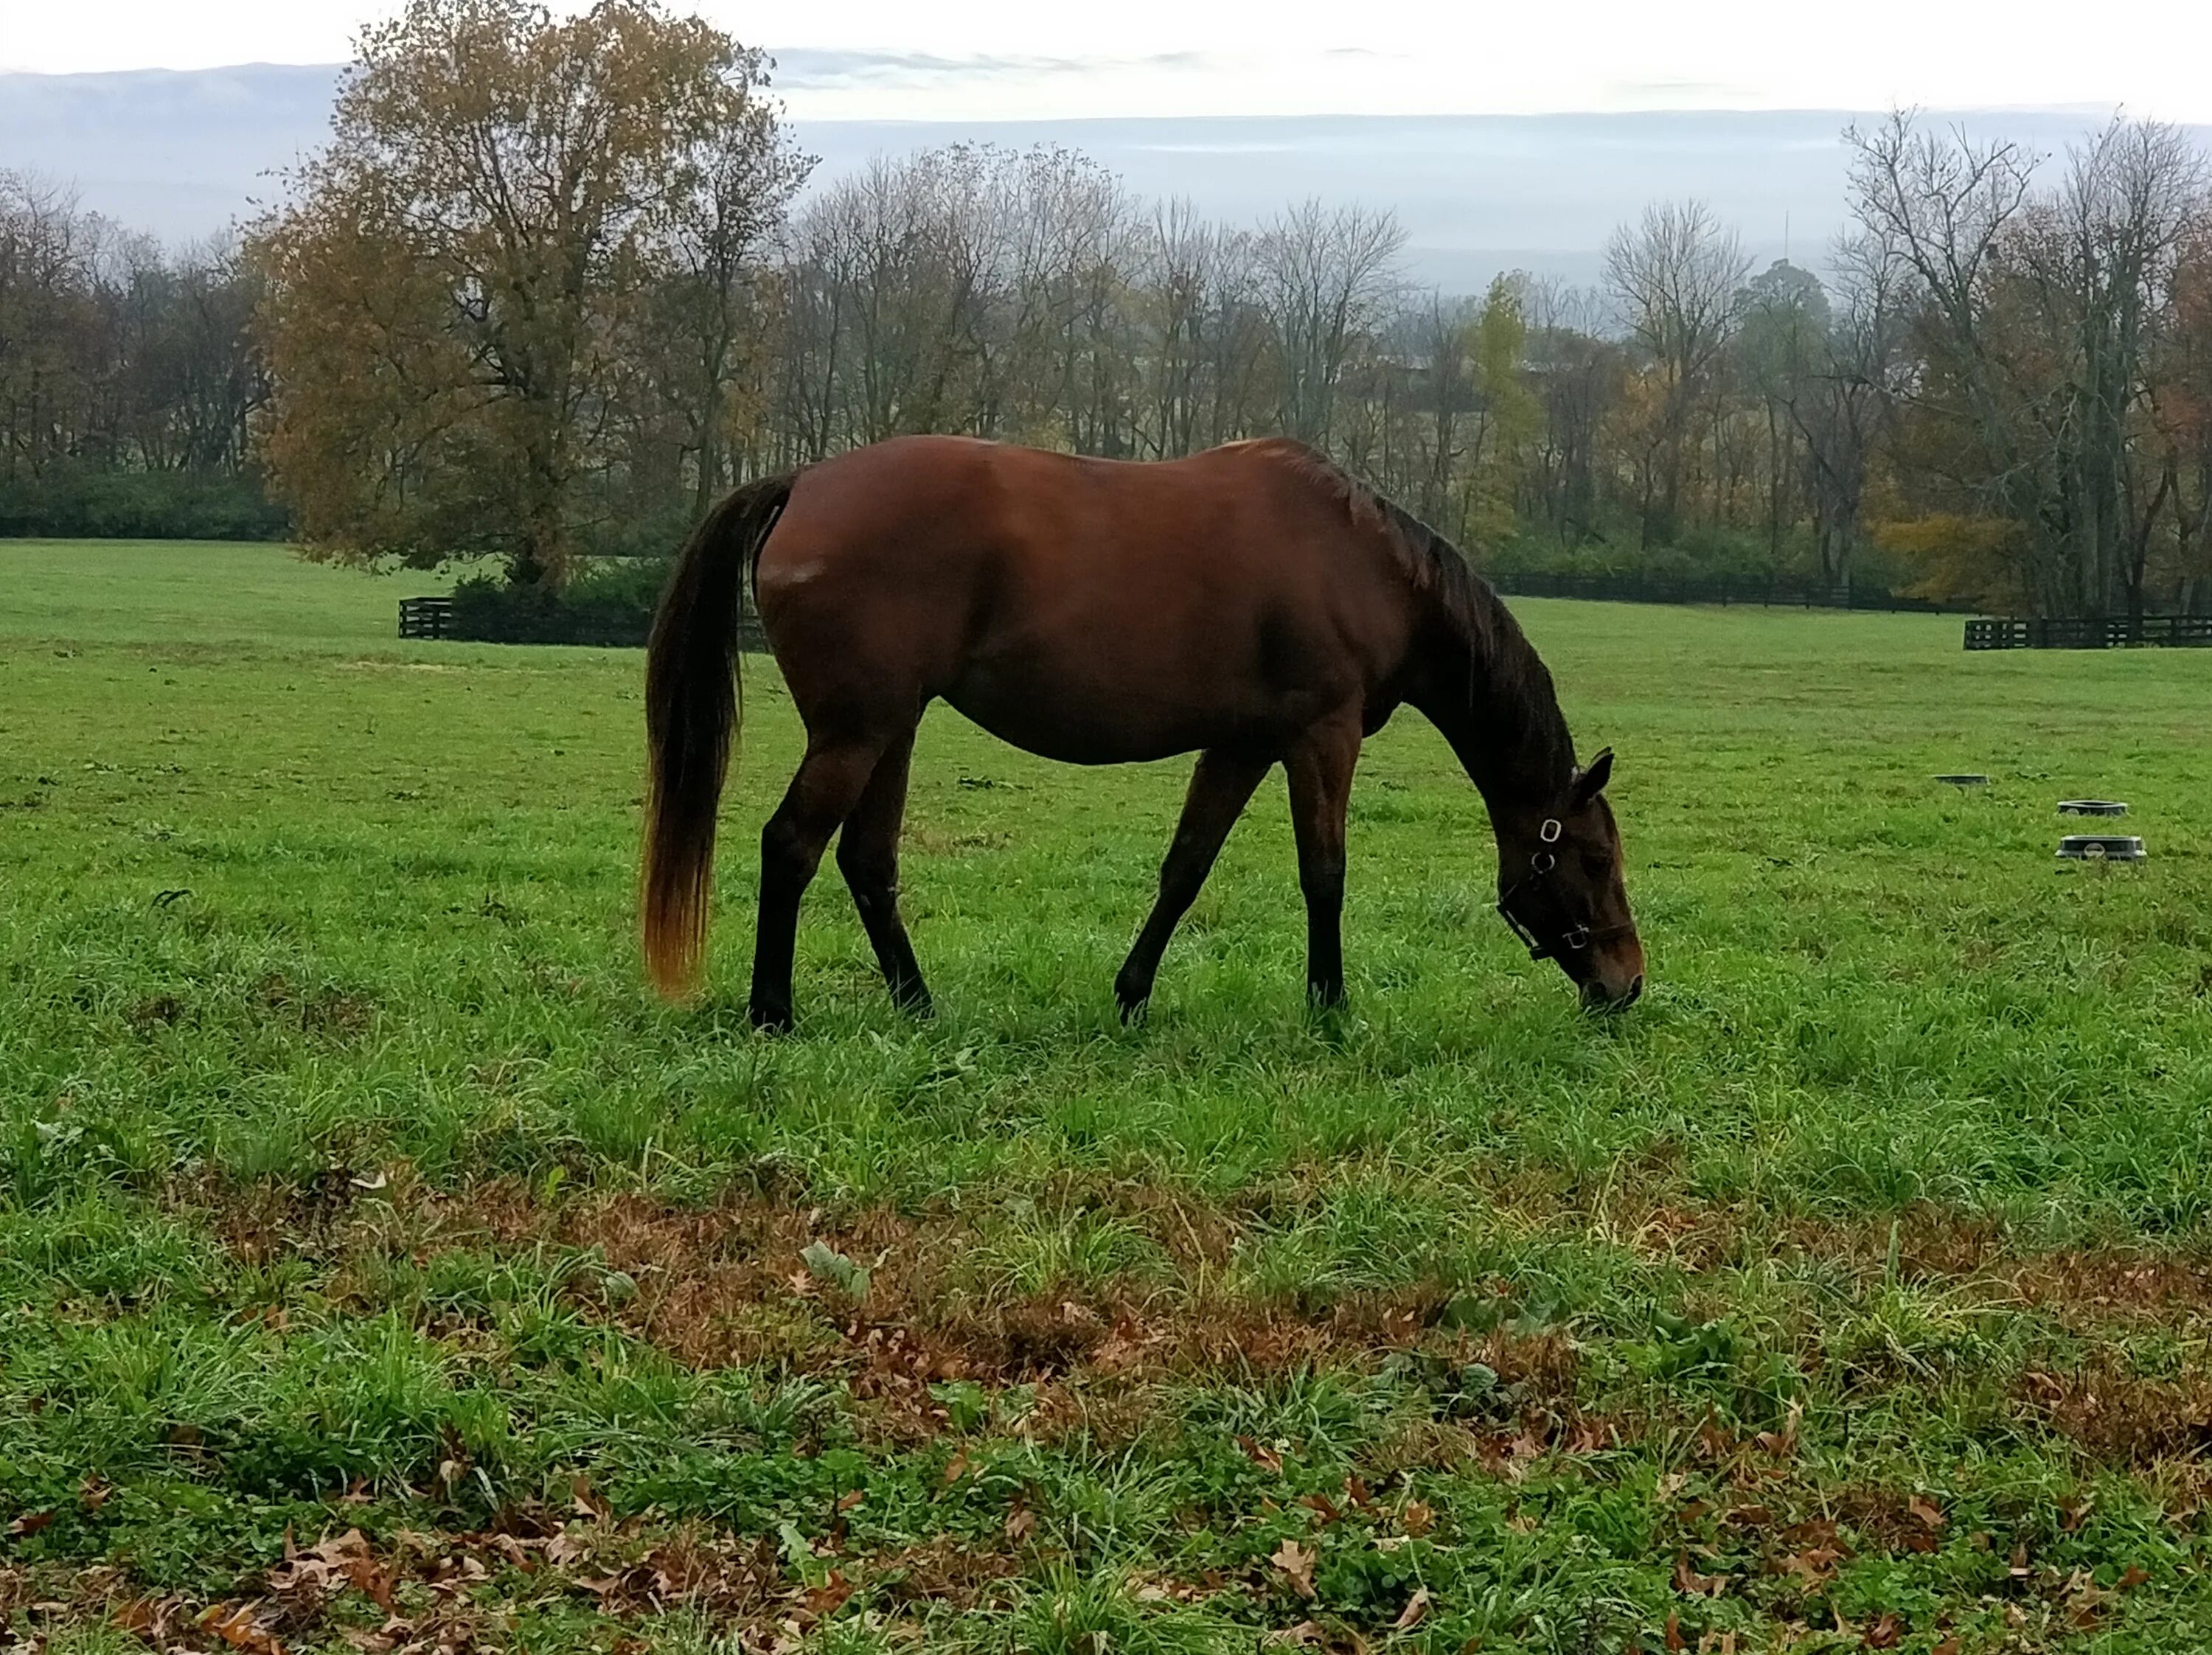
(1106, 714)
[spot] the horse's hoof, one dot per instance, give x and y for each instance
(770, 1020)
(1133, 1011)
(915, 1002)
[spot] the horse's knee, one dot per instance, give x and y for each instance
(787, 851)
(1321, 877)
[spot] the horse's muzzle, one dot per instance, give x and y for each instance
(1597, 997)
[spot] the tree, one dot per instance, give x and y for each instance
(1780, 346)
(454, 286)
(1325, 275)
(1677, 280)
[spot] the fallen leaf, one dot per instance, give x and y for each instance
(1327, 1509)
(1297, 1564)
(1416, 1606)
(1886, 1632)
(92, 1493)
(957, 1465)
(1020, 1521)
(1925, 1511)
(31, 1523)
(1417, 1518)
(1675, 1638)
(2134, 1576)
(1688, 1580)
(239, 1629)
(827, 1598)
(846, 1502)
(1265, 1458)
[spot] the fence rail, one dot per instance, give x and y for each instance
(1724, 593)
(2092, 632)
(440, 617)
(426, 617)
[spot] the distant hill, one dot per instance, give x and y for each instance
(183, 155)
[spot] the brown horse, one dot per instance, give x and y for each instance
(1252, 603)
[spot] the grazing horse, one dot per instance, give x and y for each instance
(1252, 603)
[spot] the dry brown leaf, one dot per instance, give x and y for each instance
(1675, 1638)
(1886, 1632)
(1689, 1581)
(1416, 1606)
(1926, 1512)
(1265, 1458)
(826, 1600)
(1328, 1510)
(1297, 1564)
(1417, 1518)
(31, 1523)
(237, 1628)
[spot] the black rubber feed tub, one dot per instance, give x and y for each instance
(2092, 808)
(2100, 847)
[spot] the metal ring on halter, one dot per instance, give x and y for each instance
(1574, 939)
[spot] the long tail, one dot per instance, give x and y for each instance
(693, 711)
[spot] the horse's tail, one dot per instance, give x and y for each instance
(693, 711)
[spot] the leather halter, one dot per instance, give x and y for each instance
(1573, 939)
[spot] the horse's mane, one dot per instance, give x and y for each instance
(1507, 681)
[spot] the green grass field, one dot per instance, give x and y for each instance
(381, 1267)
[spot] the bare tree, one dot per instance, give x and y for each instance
(1676, 280)
(1326, 276)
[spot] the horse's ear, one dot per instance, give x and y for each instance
(1589, 783)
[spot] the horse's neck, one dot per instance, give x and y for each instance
(1492, 700)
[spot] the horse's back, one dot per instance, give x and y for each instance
(1090, 609)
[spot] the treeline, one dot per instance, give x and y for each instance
(128, 380)
(553, 284)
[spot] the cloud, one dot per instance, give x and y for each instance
(816, 68)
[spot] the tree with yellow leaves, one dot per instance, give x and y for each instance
(455, 288)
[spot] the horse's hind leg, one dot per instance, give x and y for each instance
(1220, 788)
(1320, 770)
(831, 780)
(868, 851)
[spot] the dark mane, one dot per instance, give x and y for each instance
(1507, 681)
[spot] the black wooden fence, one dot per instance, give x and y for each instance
(2093, 632)
(438, 617)
(1725, 592)
(426, 617)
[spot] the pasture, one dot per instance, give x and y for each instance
(382, 1267)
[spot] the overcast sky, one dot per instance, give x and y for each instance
(989, 59)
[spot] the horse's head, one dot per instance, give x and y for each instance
(1559, 887)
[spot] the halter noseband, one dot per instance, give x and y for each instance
(1573, 940)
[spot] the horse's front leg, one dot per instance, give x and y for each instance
(1319, 767)
(1220, 788)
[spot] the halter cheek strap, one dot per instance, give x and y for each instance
(1573, 940)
